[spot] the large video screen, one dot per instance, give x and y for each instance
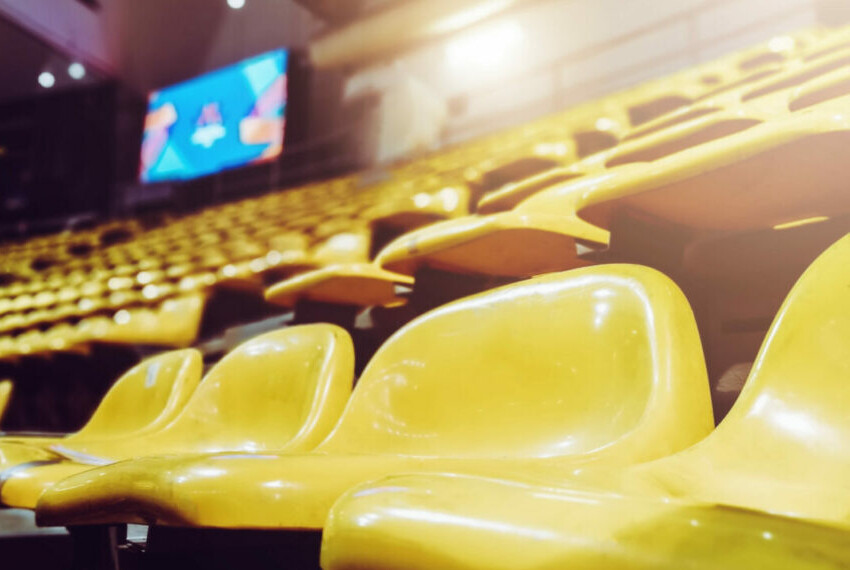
(224, 119)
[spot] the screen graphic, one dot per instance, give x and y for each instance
(224, 119)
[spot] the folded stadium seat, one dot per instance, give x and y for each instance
(510, 244)
(667, 175)
(357, 284)
(596, 366)
(675, 131)
(790, 169)
(540, 233)
(282, 390)
(343, 276)
(649, 101)
(144, 400)
(513, 193)
(779, 455)
(5, 394)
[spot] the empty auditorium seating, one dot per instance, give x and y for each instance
(596, 366)
(283, 390)
(627, 258)
(778, 455)
(733, 133)
(115, 282)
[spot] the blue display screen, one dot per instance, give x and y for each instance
(224, 119)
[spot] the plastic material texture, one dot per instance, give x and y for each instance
(282, 390)
(144, 400)
(727, 501)
(595, 366)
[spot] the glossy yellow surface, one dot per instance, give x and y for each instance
(455, 522)
(282, 390)
(506, 244)
(787, 154)
(597, 366)
(144, 400)
(781, 451)
(5, 394)
(361, 284)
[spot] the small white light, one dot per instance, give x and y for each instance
(781, 44)
(605, 124)
(77, 70)
(46, 79)
(122, 317)
(421, 200)
(236, 4)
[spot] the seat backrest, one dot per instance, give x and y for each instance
(280, 390)
(561, 364)
(5, 394)
(146, 398)
(791, 423)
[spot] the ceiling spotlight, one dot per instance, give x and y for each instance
(235, 4)
(77, 70)
(484, 48)
(46, 79)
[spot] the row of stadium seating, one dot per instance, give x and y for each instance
(64, 291)
(565, 418)
(602, 373)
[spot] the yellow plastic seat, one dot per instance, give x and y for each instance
(664, 134)
(143, 400)
(595, 366)
(5, 394)
(280, 390)
(516, 243)
(456, 522)
(688, 176)
(691, 125)
(784, 171)
(780, 451)
(360, 284)
(342, 275)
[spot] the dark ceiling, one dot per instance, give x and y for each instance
(23, 58)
